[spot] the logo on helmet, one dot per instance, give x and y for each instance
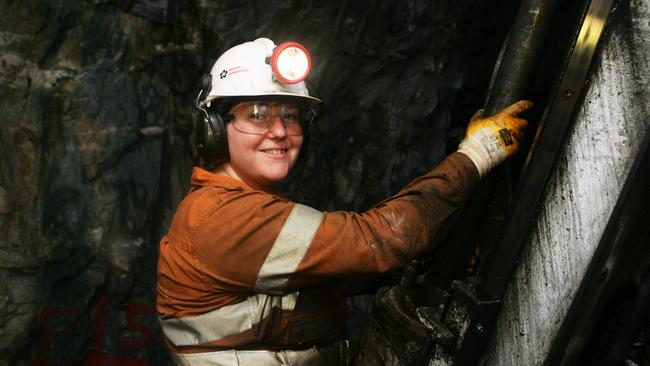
(223, 74)
(236, 70)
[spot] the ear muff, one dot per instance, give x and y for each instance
(211, 137)
(210, 134)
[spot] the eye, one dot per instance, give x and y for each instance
(258, 113)
(290, 114)
(256, 116)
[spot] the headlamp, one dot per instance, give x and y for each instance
(290, 62)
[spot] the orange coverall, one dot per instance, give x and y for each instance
(244, 269)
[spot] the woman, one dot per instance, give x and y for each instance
(248, 277)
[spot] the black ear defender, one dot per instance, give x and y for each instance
(210, 128)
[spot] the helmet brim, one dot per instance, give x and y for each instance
(302, 99)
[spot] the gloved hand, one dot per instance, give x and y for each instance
(491, 140)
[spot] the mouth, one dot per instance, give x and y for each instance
(275, 153)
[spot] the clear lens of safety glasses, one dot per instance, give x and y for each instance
(258, 117)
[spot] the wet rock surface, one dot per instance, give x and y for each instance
(96, 141)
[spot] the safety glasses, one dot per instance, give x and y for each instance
(258, 117)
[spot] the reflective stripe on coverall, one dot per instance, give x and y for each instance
(245, 270)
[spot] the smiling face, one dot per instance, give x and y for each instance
(261, 160)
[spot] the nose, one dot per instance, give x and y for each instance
(277, 129)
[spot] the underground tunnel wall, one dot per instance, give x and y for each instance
(96, 141)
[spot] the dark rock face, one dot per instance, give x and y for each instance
(96, 141)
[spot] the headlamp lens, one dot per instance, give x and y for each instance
(290, 62)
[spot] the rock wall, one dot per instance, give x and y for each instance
(96, 141)
(598, 153)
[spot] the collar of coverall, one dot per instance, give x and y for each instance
(204, 178)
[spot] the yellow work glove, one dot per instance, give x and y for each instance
(491, 140)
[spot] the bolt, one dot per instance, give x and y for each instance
(568, 93)
(480, 328)
(603, 275)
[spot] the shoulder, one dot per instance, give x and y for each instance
(240, 206)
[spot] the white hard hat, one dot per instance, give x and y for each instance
(245, 71)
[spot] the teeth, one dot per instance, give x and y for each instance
(275, 151)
